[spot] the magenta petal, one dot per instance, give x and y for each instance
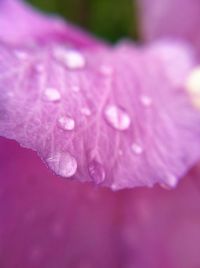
(115, 117)
(20, 24)
(50, 223)
(171, 18)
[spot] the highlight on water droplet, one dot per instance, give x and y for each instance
(85, 111)
(51, 94)
(146, 100)
(72, 59)
(66, 122)
(96, 171)
(21, 54)
(170, 182)
(106, 70)
(117, 117)
(62, 163)
(136, 148)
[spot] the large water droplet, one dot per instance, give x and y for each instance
(66, 123)
(136, 148)
(117, 117)
(96, 171)
(63, 164)
(51, 94)
(72, 59)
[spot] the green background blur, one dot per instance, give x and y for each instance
(109, 19)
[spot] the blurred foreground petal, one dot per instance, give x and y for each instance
(49, 223)
(20, 24)
(179, 19)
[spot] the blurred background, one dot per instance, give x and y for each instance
(108, 19)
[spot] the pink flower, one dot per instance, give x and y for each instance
(119, 117)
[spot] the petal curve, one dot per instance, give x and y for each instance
(113, 117)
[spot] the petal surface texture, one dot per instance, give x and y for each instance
(116, 116)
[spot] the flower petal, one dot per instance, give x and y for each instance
(20, 24)
(170, 18)
(114, 116)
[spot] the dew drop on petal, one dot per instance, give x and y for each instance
(63, 164)
(21, 54)
(117, 117)
(106, 70)
(39, 67)
(51, 94)
(170, 182)
(146, 100)
(96, 171)
(66, 123)
(136, 148)
(75, 88)
(72, 59)
(85, 111)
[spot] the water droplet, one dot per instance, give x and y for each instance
(136, 148)
(117, 117)
(106, 70)
(66, 123)
(21, 54)
(75, 88)
(146, 100)
(39, 67)
(85, 111)
(72, 59)
(51, 94)
(63, 164)
(170, 182)
(96, 171)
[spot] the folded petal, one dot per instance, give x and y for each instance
(20, 24)
(170, 18)
(48, 223)
(116, 116)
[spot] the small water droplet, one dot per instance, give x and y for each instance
(51, 94)
(75, 88)
(117, 117)
(106, 70)
(136, 148)
(66, 123)
(21, 54)
(96, 171)
(85, 111)
(63, 164)
(39, 67)
(170, 182)
(72, 59)
(146, 100)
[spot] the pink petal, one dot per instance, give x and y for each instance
(171, 18)
(48, 223)
(116, 117)
(20, 24)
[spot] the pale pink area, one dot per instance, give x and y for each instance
(48, 223)
(176, 19)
